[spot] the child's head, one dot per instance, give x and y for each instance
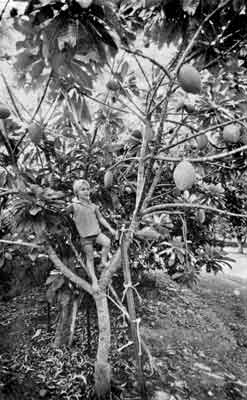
(80, 185)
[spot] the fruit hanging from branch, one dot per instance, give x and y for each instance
(35, 133)
(202, 142)
(231, 133)
(113, 85)
(84, 3)
(184, 175)
(108, 179)
(4, 112)
(189, 79)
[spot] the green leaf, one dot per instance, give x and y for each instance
(2, 261)
(124, 69)
(190, 6)
(24, 60)
(81, 76)
(68, 35)
(85, 114)
(37, 68)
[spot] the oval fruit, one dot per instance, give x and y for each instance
(85, 3)
(202, 142)
(189, 79)
(4, 112)
(35, 132)
(231, 133)
(108, 179)
(148, 233)
(113, 85)
(184, 175)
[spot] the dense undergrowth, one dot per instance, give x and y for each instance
(197, 340)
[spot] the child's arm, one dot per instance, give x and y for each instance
(103, 222)
(68, 210)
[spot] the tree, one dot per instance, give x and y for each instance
(167, 212)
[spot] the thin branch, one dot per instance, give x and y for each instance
(42, 97)
(192, 41)
(139, 54)
(133, 111)
(52, 109)
(203, 159)
(213, 127)
(20, 243)
(152, 187)
(4, 9)
(163, 207)
(142, 71)
(154, 93)
(103, 104)
(11, 97)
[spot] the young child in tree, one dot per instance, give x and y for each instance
(88, 219)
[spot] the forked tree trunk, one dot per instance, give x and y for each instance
(102, 373)
(102, 367)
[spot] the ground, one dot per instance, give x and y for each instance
(197, 339)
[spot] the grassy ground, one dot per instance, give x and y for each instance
(198, 342)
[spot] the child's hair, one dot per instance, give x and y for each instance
(78, 184)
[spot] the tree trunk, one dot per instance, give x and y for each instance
(63, 330)
(241, 242)
(241, 247)
(73, 320)
(102, 373)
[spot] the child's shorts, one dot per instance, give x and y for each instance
(89, 240)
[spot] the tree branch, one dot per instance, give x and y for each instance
(138, 53)
(163, 207)
(203, 159)
(192, 41)
(67, 272)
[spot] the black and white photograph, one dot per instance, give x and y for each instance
(123, 199)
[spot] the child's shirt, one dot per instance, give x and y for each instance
(85, 217)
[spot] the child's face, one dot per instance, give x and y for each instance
(84, 192)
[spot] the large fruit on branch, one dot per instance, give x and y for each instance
(4, 112)
(184, 175)
(202, 142)
(35, 133)
(113, 85)
(108, 179)
(189, 79)
(148, 233)
(231, 133)
(84, 3)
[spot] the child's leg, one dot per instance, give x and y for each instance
(105, 242)
(89, 252)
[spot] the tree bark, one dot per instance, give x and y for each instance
(102, 373)
(62, 335)
(73, 320)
